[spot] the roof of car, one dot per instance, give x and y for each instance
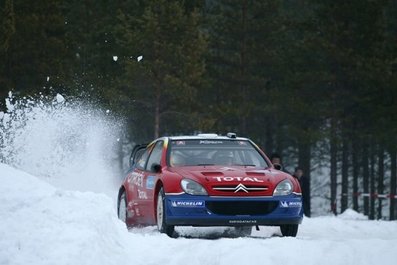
(207, 136)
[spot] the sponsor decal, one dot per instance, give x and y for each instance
(210, 142)
(142, 195)
(285, 204)
(136, 179)
(187, 203)
(130, 213)
(242, 221)
(227, 179)
(150, 182)
(295, 204)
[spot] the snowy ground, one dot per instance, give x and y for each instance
(42, 224)
(63, 211)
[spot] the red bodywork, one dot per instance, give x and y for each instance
(142, 186)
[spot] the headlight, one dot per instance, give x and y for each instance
(285, 187)
(192, 187)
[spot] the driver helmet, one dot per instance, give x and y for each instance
(225, 158)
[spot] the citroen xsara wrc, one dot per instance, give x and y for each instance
(207, 180)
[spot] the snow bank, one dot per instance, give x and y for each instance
(41, 224)
(350, 214)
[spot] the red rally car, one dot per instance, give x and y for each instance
(208, 180)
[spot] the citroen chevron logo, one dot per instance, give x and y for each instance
(240, 187)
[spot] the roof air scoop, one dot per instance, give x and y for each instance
(231, 135)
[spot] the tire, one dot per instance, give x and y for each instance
(160, 215)
(122, 208)
(289, 230)
(243, 231)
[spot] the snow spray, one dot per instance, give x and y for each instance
(69, 143)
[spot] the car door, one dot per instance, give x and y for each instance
(135, 180)
(146, 191)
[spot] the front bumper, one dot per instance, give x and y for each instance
(188, 210)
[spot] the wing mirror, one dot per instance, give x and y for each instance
(278, 166)
(156, 168)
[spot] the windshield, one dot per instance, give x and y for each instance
(214, 152)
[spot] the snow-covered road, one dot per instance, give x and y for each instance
(65, 213)
(42, 224)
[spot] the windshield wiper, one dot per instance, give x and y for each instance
(205, 164)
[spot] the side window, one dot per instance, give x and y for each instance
(142, 160)
(155, 156)
(138, 155)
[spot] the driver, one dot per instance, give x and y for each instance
(224, 158)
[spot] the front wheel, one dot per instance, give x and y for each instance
(160, 215)
(289, 230)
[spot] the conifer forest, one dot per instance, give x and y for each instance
(312, 80)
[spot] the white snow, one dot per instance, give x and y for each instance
(63, 210)
(349, 214)
(68, 144)
(9, 105)
(59, 98)
(41, 224)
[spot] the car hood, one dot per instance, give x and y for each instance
(234, 180)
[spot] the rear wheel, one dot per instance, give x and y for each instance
(122, 208)
(160, 215)
(289, 230)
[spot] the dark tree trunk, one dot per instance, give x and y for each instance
(305, 163)
(356, 166)
(269, 146)
(345, 174)
(372, 183)
(381, 172)
(157, 113)
(393, 182)
(365, 166)
(243, 65)
(333, 172)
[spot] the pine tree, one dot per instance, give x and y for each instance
(34, 47)
(7, 31)
(92, 46)
(162, 85)
(242, 59)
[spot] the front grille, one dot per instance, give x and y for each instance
(241, 207)
(240, 188)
